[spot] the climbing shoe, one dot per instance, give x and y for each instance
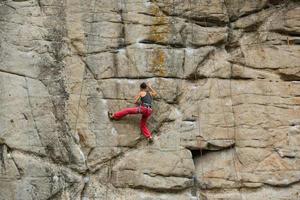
(150, 140)
(110, 115)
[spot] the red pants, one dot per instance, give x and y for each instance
(146, 112)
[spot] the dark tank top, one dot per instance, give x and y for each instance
(147, 99)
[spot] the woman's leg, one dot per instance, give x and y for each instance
(143, 124)
(124, 112)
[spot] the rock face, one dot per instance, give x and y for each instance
(226, 122)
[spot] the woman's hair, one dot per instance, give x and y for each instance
(143, 85)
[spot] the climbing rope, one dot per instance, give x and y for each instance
(109, 176)
(199, 112)
(235, 156)
(85, 72)
(93, 8)
(234, 153)
(259, 42)
(172, 42)
(198, 102)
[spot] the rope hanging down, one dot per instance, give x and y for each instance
(198, 102)
(93, 8)
(234, 154)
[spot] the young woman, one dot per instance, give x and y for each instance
(143, 100)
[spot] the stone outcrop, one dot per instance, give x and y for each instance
(226, 121)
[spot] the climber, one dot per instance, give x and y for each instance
(143, 101)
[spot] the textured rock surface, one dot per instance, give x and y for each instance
(226, 122)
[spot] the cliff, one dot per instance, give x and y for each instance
(226, 121)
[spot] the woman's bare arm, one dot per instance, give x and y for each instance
(137, 98)
(152, 91)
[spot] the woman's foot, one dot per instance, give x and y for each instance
(150, 140)
(110, 115)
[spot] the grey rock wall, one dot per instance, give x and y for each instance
(226, 122)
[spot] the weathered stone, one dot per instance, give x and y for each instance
(174, 173)
(286, 21)
(241, 7)
(218, 170)
(251, 22)
(256, 194)
(41, 179)
(9, 170)
(225, 122)
(214, 10)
